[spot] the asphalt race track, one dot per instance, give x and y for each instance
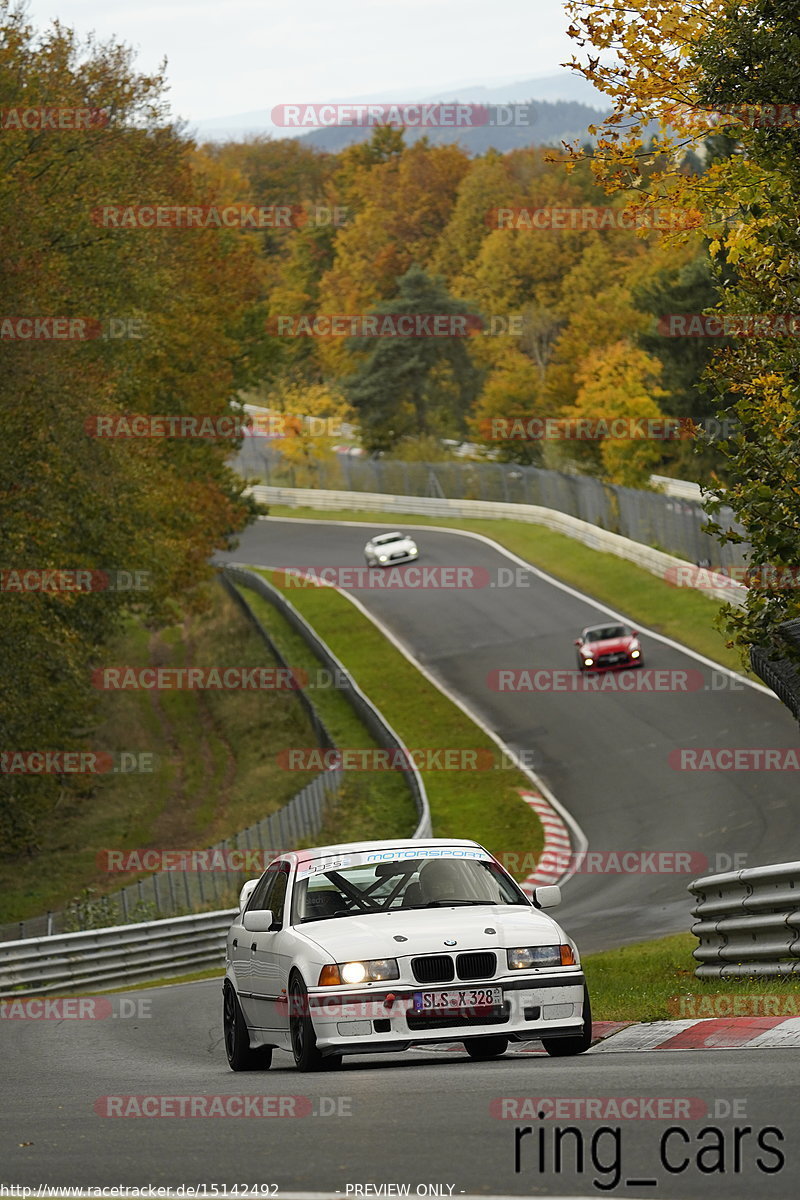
(605, 756)
(426, 1118)
(418, 1118)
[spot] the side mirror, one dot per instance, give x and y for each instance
(634, 633)
(546, 897)
(247, 890)
(578, 642)
(260, 920)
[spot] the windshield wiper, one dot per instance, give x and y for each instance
(340, 913)
(453, 903)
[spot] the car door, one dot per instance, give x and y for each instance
(240, 941)
(269, 962)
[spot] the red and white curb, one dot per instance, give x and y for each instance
(557, 845)
(711, 1033)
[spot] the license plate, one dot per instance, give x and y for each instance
(458, 998)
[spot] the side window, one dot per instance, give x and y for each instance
(262, 890)
(277, 897)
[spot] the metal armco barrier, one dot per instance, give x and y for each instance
(107, 957)
(781, 674)
(365, 710)
(749, 922)
(318, 725)
(655, 561)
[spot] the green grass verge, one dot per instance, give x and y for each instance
(374, 804)
(654, 981)
(680, 613)
(480, 804)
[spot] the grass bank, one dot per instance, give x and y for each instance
(654, 981)
(214, 768)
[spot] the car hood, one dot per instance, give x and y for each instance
(347, 938)
(610, 645)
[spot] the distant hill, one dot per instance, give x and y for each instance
(542, 123)
(561, 107)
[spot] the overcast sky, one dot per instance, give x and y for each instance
(233, 56)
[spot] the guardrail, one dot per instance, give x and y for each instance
(106, 957)
(657, 562)
(211, 876)
(365, 710)
(781, 674)
(317, 724)
(749, 922)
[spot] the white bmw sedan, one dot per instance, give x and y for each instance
(386, 548)
(372, 947)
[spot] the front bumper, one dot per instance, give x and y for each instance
(361, 1020)
(399, 558)
(615, 666)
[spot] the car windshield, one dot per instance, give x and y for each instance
(388, 537)
(410, 884)
(604, 633)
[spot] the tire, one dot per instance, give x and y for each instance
(301, 1029)
(579, 661)
(241, 1056)
(566, 1046)
(480, 1049)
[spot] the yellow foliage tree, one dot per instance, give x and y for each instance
(618, 391)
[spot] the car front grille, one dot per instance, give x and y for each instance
(399, 554)
(607, 660)
(433, 968)
(480, 965)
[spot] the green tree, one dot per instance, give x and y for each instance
(417, 385)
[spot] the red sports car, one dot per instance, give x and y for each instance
(607, 647)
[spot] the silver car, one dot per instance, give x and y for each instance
(387, 548)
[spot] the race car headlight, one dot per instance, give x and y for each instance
(634, 653)
(588, 661)
(382, 557)
(524, 958)
(369, 972)
(412, 547)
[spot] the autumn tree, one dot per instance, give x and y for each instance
(70, 499)
(618, 391)
(511, 397)
(723, 69)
